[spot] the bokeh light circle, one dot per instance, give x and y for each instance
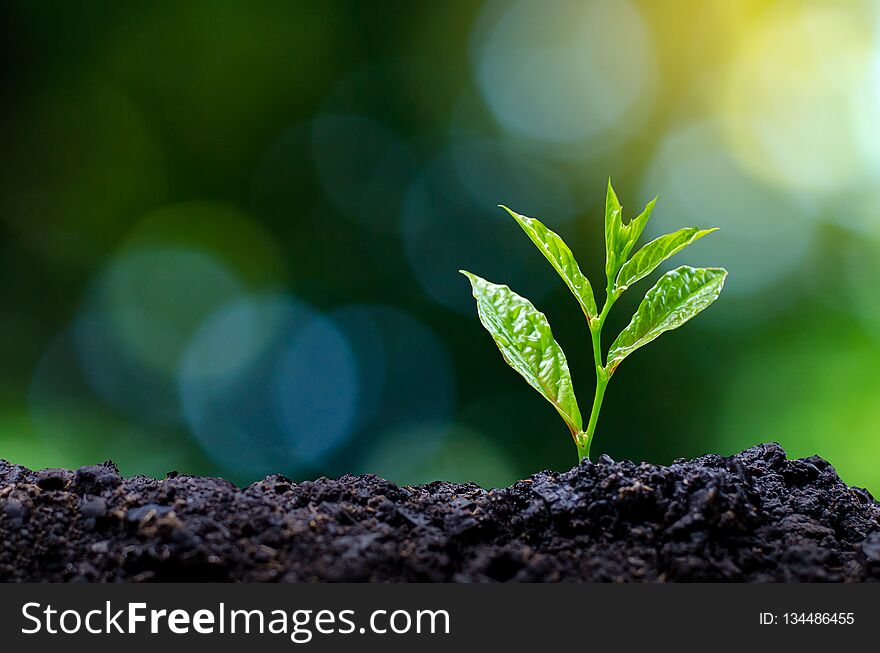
(765, 233)
(268, 384)
(404, 369)
(155, 299)
(798, 94)
(317, 390)
(579, 71)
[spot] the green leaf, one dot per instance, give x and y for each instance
(560, 257)
(613, 231)
(677, 297)
(654, 253)
(621, 238)
(635, 228)
(523, 335)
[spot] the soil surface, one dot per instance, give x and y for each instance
(756, 516)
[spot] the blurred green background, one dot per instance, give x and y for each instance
(229, 231)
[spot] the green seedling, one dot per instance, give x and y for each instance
(523, 334)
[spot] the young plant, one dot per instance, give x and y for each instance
(523, 334)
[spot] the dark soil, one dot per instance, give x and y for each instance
(755, 516)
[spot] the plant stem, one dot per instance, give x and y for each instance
(601, 384)
(602, 377)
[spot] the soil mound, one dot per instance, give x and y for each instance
(755, 516)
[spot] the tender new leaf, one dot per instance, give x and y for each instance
(560, 257)
(523, 335)
(621, 238)
(678, 296)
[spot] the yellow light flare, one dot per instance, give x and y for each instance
(796, 94)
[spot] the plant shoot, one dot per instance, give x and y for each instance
(523, 334)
